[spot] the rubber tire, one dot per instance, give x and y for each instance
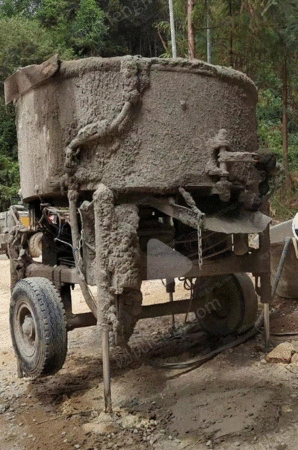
(41, 299)
(35, 245)
(227, 304)
(250, 303)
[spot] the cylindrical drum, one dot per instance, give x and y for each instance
(134, 124)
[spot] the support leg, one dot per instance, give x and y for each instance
(265, 280)
(170, 288)
(103, 217)
(265, 293)
(266, 324)
(106, 369)
(19, 369)
(117, 276)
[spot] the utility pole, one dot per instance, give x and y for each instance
(173, 34)
(208, 31)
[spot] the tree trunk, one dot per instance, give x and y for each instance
(190, 30)
(231, 35)
(173, 33)
(285, 115)
(208, 31)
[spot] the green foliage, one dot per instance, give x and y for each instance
(7, 130)
(22, 42)
(32, 31)
(284, 203)
(89, 29)
(9, 180)
(270, 127)
(270, 122)
(53, 13)
(11, 8)
(9, 172)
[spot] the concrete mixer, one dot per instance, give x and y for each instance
(135, 169)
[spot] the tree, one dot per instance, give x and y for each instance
(133, 26)
(89, 29)
(22, 42)
(190, 29)
(11, 8)
(284, 37)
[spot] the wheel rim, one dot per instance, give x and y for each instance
(25, 330)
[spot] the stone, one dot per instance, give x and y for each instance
(102, 428)
(286, 409)
(3, 408)
(129, 421)
(294, 359)
(105, 417)
(281, 354)
(295, 345)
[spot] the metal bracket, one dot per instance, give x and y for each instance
(170, 208)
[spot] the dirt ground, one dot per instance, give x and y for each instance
(235, 401)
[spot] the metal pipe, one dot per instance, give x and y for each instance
(106, 368)
(75, 236)
(173, 33)
(80, 321)
(266, 324)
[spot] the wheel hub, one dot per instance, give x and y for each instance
(28, 328)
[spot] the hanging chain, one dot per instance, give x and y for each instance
(200, 246)
(200, 216)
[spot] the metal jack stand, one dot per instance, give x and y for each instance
(280, 267)
(264, 295)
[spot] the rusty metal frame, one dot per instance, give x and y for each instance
(258, 264)
(58, 275)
